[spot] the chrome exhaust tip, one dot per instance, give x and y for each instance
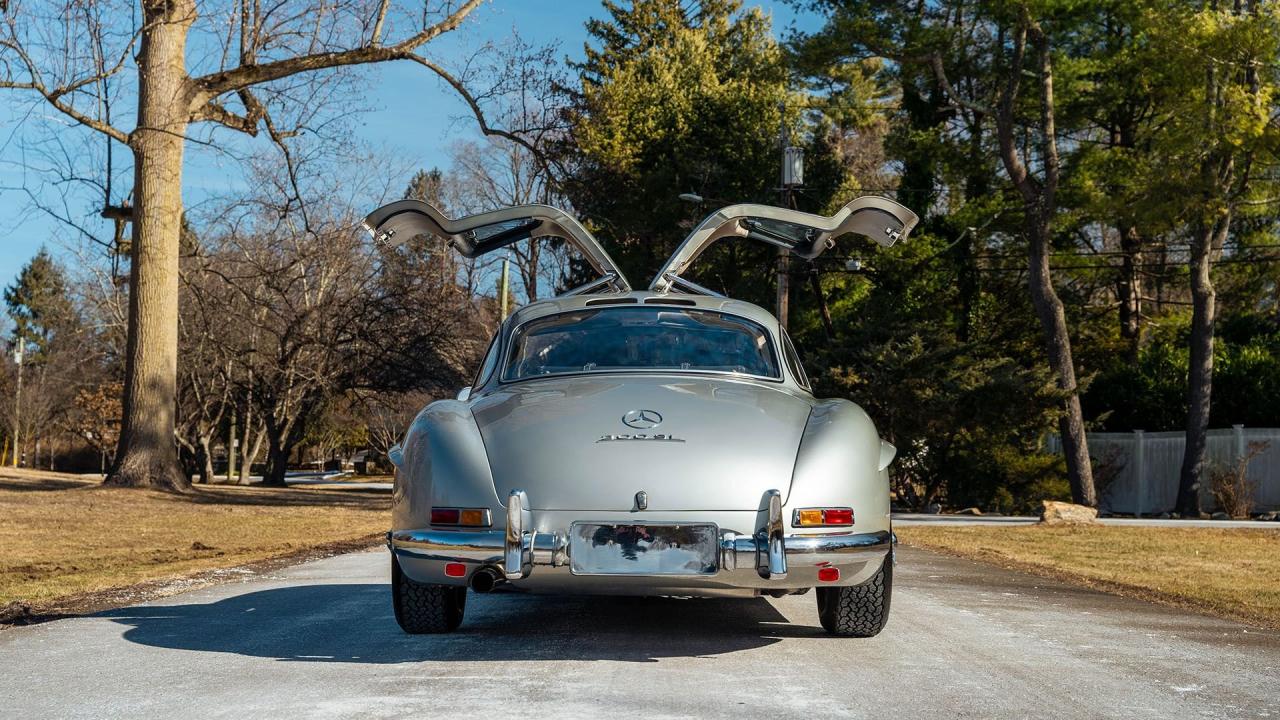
(485, 580)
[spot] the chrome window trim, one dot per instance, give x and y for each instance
(485, 372)
(794, 364)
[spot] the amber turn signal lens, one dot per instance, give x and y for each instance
(808, 517)
(473, 518)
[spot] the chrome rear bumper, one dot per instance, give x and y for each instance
(534, 559)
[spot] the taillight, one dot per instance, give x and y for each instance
(461, 517)
(444, 516)
(822, 517)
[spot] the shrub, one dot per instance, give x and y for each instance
(1231, 486)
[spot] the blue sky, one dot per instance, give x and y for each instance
(421, 138)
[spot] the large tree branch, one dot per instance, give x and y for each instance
(215, 84)
(940, 72)
(476, 110)
(1005, 119)
(216, 112)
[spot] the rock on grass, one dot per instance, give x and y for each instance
(1064, 513)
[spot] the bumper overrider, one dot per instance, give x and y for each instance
(531, 559)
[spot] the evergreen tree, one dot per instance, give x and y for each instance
(39, 306)
(674, 100)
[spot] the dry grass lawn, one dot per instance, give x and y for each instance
(1232, 573)
(62, 536)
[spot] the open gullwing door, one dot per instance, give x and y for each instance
(802, 234)
(483, 233)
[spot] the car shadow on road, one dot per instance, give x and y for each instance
(354, 623)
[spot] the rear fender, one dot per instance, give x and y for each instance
(444, 464)
(839, 465)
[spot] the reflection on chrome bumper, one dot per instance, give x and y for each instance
(741, 556)
(766, 559)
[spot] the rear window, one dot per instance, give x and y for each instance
(614, 339)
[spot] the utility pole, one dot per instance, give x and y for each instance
(503, 285)
(19, 355)
(784, 270)
(792, 175)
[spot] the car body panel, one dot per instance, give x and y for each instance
(539, 423)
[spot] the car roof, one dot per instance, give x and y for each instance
(638, 298)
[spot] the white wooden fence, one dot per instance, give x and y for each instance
(1149, 464)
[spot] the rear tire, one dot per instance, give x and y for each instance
(858, 610)
(425, 608)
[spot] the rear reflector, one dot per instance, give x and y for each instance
(828, 574)
(459, 570)
(822, 517)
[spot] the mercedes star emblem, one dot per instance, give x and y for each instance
(642, 419)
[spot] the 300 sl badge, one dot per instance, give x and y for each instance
(640, 436)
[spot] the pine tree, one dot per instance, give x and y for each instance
(39, 305)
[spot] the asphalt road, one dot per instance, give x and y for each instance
(318, 640)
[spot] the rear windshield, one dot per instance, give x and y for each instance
(640, 338)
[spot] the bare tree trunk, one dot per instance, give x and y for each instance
(1053, 322)
(246, 462)
(277, 463)
(1129, 288)
(1200, 369)
(147, 455)
(1041, 203)
(206, 461)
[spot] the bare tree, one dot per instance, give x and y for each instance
(244, 62)
(205, 369)
(499, 173)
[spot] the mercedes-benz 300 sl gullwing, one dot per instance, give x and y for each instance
(655, 442)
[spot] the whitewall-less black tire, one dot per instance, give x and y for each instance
(424, 608)
(858, 610)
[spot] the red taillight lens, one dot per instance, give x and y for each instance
(445, 516)
(838, 516)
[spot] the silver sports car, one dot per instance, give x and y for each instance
(654, 442)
